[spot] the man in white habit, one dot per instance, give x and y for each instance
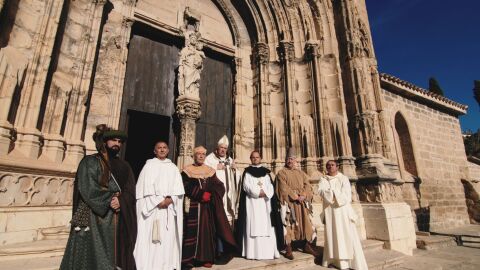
(342, 243)
(226, 172)
(255, 225)
(159, 195)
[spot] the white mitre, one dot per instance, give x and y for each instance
(223, 141)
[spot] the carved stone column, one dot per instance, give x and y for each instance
(377, 188)
(188, 110)
(261, 56)
(362, 93)
(287, 55)
(188, 103)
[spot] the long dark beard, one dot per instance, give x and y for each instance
(113, 152)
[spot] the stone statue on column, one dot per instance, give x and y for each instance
(188, 107)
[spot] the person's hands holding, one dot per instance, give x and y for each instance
(206, 196)
(115, 203)
(262, 194)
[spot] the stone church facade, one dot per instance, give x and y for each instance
(269, 74)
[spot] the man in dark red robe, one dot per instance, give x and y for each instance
(204, 218)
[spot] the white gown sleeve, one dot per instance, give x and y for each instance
(326, 192)
(343, 192)
(150, 203)
(268, 187)
(250, 186)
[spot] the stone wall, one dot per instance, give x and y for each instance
(434, 189)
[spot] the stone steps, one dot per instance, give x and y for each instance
(49, 263)
(383, 259)
(301, 260)
(46, 255)
(37, 249)
(431, 242)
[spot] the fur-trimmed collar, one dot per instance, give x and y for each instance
(194, 171)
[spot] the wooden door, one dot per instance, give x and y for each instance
(216, 99)
(149, 94)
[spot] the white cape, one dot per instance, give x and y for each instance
(159, 237)
(232, 192)
(342, 243)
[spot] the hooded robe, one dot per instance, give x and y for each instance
(159, 240)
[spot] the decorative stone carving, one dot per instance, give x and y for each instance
(383, 192)
(190, 65)
(286, 50)
(359, 43)
(18, 189)
(188, 111)
(262, 53)
(312, 49)
(365, 127)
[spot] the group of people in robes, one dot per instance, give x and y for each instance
(204, 214)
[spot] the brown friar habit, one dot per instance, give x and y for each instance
(290, 183)
(275, 217)
(127, 220)
(203, 221)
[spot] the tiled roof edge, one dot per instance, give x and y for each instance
(440, 100)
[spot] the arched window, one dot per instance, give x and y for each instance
(407, 155)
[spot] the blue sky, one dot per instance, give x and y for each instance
(418, 39)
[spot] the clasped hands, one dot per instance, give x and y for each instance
(165, 203)
(300, 198)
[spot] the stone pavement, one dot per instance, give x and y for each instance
(439, 253)
(455, 257)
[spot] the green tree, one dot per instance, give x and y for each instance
(476, 91)
(434, 86)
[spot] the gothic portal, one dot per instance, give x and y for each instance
(269, 74)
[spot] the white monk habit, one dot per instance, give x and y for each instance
(159, 237)
(259, 241)
(230, 178)
(342, 243)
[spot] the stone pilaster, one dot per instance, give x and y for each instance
(106, 97)
(325, 134)
(71, 81)
(46, 16)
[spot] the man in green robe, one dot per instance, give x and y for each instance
(97, 212)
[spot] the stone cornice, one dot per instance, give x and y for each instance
(411, 91)
(37, 167)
